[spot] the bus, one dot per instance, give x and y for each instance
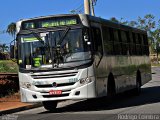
(78, 56)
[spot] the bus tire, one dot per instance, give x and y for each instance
(137, 90)
(50, 105)
(111, 88)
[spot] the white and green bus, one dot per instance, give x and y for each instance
(73, 57)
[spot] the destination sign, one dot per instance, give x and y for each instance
(55, 23)
(49, 22)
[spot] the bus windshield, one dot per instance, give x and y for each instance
(55, 49)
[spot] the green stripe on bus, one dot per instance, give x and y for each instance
(29, 39)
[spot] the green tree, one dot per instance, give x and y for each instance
(11, 29)
(156, 41)
(3, 48)
(132, 23)
(148, 24)
(113, 19)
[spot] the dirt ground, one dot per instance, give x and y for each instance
(11, 98)
(11, 102)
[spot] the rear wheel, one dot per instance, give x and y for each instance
(137, 90)
(50, 105)
(111, 89)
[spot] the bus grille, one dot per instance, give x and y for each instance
(58, 85)
(59, 75)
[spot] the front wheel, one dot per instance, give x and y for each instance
(50, 105)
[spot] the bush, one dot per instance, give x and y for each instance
(4, 56)
(8, 87)
(8, 66)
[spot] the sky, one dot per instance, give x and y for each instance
(14, 10)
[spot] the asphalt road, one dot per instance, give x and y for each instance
(122, 107)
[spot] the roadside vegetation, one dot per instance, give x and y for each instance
(8, 66)
(8, 84)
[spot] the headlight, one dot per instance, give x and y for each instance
(85, 80)
(26, 85)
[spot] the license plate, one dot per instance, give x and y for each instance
(55, 92)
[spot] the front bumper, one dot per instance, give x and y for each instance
(85, 92)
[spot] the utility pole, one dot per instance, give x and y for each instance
(92, 8)
(87, 7)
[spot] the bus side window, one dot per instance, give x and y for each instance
(117, 42)
(125, 49)
(138, 46)
(133, 44)
(97, 40)
(146, 46)
(108, 40)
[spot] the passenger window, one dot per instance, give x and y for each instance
(106, 35)
(116, 37)
(125, 46)
(138, 44)
(146, 48)
(117, 43)
(124, 36)
(133, 44)
(108, 40)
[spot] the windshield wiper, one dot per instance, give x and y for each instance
(58, 47)
(63, 36)
(39, 38)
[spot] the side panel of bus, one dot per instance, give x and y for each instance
(118, 58)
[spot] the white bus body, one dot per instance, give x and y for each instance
(88, 78)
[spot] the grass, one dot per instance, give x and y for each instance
(8, 66)
(156, 65)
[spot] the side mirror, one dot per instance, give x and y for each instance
(86, 38)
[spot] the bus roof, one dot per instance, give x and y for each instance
(108, 23)
(112, 24)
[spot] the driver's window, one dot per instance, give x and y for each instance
(98, 48)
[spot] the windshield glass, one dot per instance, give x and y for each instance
(53, 51)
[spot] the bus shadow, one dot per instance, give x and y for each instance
(148, 96)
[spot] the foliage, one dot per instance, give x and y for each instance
(7, 66)
(4, 56)
(8, 87)
(3, 47)
(11, 29)
(113, 19)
